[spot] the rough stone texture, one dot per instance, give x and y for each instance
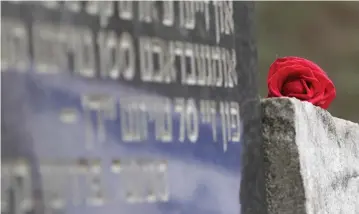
(311, 159)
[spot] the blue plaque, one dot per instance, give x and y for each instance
(126, 107)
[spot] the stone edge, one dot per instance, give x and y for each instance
(285, 192)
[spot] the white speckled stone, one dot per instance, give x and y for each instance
(311, 159)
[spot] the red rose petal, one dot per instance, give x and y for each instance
(278, 79)
(307, 86)
(295, 86)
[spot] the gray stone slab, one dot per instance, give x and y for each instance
(311, 159)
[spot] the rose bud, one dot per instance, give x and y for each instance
(300, 78)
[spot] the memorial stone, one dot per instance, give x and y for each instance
(130, 107)
(311, 159)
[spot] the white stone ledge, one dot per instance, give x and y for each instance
(311, 159)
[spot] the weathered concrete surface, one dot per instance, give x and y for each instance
(311, 159)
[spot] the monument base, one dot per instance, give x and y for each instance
(311, 159)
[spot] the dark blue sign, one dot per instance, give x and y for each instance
(122, 107)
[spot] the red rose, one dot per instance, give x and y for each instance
(300, 78)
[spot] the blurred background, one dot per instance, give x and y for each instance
(324, 32)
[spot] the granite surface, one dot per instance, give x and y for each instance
(311, 159)
(252, 173)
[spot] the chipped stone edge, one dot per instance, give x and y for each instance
(289, 177)
(333, 146)
(283, 181)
